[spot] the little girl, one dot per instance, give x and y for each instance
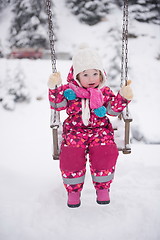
(87, 130)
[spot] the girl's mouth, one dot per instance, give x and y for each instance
(91, 84)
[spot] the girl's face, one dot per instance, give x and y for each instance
(90, 78)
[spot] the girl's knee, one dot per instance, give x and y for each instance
(72, 158)
(103, 156)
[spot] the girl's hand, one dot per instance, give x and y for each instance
(126, 91)
(54, 79)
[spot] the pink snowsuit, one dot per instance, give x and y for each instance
(95, 140)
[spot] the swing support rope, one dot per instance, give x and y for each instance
(55, 115)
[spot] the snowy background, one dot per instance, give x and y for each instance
(33, 199)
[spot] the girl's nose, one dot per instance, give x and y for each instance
(89, 78)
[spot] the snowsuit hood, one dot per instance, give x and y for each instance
(86, 58)
(72, 79)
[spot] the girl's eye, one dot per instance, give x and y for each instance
(85, 75)
(95, 74)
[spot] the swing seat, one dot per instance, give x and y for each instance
(56, 126)
(121, 126)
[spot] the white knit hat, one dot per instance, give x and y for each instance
(86, 58)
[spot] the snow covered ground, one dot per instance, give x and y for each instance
(33, 199)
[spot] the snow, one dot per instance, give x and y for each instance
(33, 199)
(4, 28)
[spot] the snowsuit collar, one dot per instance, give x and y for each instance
(70, 79)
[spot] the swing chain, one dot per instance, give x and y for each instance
(51, 36)
(55, 116)
(124, 59)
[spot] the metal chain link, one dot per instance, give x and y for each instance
(55, 118)
(51, 35)
(124, 58)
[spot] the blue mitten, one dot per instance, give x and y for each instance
(69, 94)
(101, 111)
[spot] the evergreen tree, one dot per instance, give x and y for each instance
(90, 11)
(3, 4)
(14, 90)
(144, 10)
(29, 26)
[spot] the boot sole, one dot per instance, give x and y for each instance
(73, 205)
(103, 202)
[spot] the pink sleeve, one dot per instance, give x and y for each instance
(114, 103)
(56, 98)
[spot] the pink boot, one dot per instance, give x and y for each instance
(74, 199)
(103, 196)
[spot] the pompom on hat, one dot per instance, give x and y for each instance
(86, 58)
